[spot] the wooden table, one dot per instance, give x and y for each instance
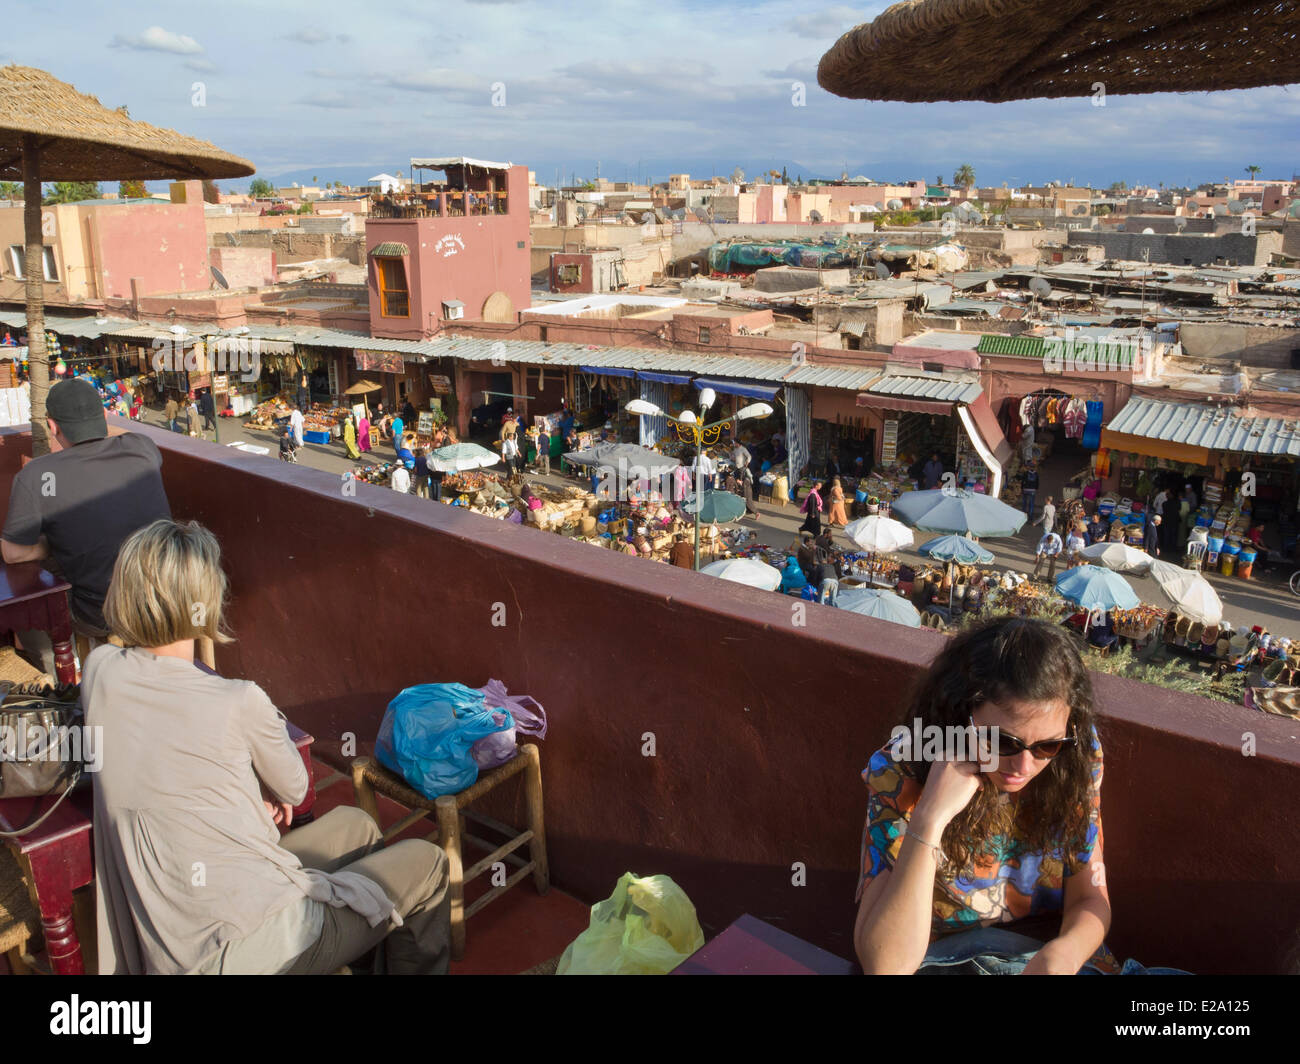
(34, 598)
(59, 857)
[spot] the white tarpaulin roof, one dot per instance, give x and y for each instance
(456, 160)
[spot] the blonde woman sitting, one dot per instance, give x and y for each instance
(199, 773)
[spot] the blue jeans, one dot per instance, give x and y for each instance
(830, 592)
(995, 951)
(1027, 501)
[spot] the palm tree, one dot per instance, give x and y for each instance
(1252, 170)
(965, 176)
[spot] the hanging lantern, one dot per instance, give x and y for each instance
(60, 368)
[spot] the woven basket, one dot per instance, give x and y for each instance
(15, 671)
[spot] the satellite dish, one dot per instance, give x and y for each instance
(219, 277)
(1192, 205)
(948, 215)
(1082, 208)
(1235, 206)
(702, 213)
(1294, 210)
(814, 216)
(883, 272)
(1041, 287)
(1148, 231)
(582, 212)
(1180, 223)
(895, 204)
(179, 330)
(647, 218)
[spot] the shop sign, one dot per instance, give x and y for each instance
(425, 427)
(221, 383)
(383, 361)
(440, 385)
(889, 442)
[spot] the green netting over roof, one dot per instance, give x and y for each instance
(742, 257)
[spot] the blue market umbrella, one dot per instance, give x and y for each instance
(963, 512)
(1093, 587)
(883, 605)
(956, 549)
(719, 506)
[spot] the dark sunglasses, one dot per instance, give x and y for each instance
(1044, 750)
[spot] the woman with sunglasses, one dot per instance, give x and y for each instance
(988, 859)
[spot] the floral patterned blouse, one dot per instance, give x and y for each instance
(1006, 883)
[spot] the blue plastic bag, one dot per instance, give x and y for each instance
(427, 732)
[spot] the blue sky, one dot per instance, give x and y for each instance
(344, 91)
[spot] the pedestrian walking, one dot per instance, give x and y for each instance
(1029, 489)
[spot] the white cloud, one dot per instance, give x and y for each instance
(203, 66)
(309, 35)
(157, 39)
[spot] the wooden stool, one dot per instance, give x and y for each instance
(369, 776)
(20, 922)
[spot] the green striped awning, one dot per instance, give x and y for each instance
(1104, 352)
(390, 249)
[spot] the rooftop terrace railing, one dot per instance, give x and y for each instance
(695, 729)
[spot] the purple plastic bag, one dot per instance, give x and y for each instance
(499, 747)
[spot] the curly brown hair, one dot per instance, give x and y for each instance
(1013, 658)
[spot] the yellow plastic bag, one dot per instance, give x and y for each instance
(646, 927)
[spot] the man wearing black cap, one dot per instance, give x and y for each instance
(78, 504)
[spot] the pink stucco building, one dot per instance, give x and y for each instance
(456, 250)
(98, 251)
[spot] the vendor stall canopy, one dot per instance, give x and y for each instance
(997, 50)
(81, 140)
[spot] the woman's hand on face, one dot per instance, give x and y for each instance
(948, 790)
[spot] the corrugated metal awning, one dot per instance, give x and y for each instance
(664, 378)
(1179, 430)
(935, 388)
(389, 249)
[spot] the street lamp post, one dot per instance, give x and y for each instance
(698, 429)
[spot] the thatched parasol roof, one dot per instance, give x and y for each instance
(997, 50)
(82, 140)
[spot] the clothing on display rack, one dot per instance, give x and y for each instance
(1092, 427)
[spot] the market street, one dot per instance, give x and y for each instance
(1265, 600)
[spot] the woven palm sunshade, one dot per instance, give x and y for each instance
(82, 140)
(51, 132)
(996, 50)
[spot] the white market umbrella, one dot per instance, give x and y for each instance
(883, 605)
(1118, 557)
(457, 457)
(1189, 592)
(748, 571)
(879, 534)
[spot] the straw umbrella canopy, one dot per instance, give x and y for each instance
(996, 50)
(51, 132)
(364, 388)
